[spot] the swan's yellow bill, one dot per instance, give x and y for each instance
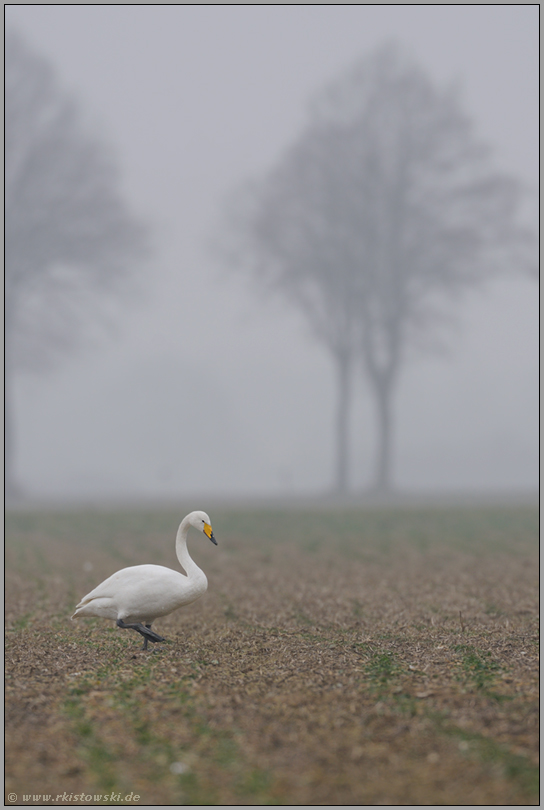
(209, 534)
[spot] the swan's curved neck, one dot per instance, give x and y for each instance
(190, 567)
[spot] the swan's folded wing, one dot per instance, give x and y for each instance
(137, 593)
(104, 594)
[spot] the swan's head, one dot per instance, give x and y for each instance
(202, 522)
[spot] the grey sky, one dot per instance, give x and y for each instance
(205, 389)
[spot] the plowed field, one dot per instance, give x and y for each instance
(340, 656)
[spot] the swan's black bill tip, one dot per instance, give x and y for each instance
(212, 538)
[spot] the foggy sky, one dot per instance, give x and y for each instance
(205, 389)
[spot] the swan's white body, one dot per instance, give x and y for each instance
(142, 593)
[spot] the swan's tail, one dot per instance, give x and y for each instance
(102, 607)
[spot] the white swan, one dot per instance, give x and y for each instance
(140, 594)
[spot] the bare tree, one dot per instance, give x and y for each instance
(69, 239)
(290, 233)
(381, 216)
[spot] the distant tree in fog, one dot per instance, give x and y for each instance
(381, 215)
(69, 238)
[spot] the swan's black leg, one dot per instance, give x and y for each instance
(145, 638)
(144, 630)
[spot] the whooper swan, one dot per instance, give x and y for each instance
(134, 597)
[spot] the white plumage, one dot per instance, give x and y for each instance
(134, 597)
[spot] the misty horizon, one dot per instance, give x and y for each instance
(205, 388)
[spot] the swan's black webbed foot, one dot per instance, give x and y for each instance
(144, 630)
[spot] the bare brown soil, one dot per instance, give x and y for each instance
(379, 657)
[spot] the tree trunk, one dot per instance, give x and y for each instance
(11, 489)
(343, 368)
(383, 389)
